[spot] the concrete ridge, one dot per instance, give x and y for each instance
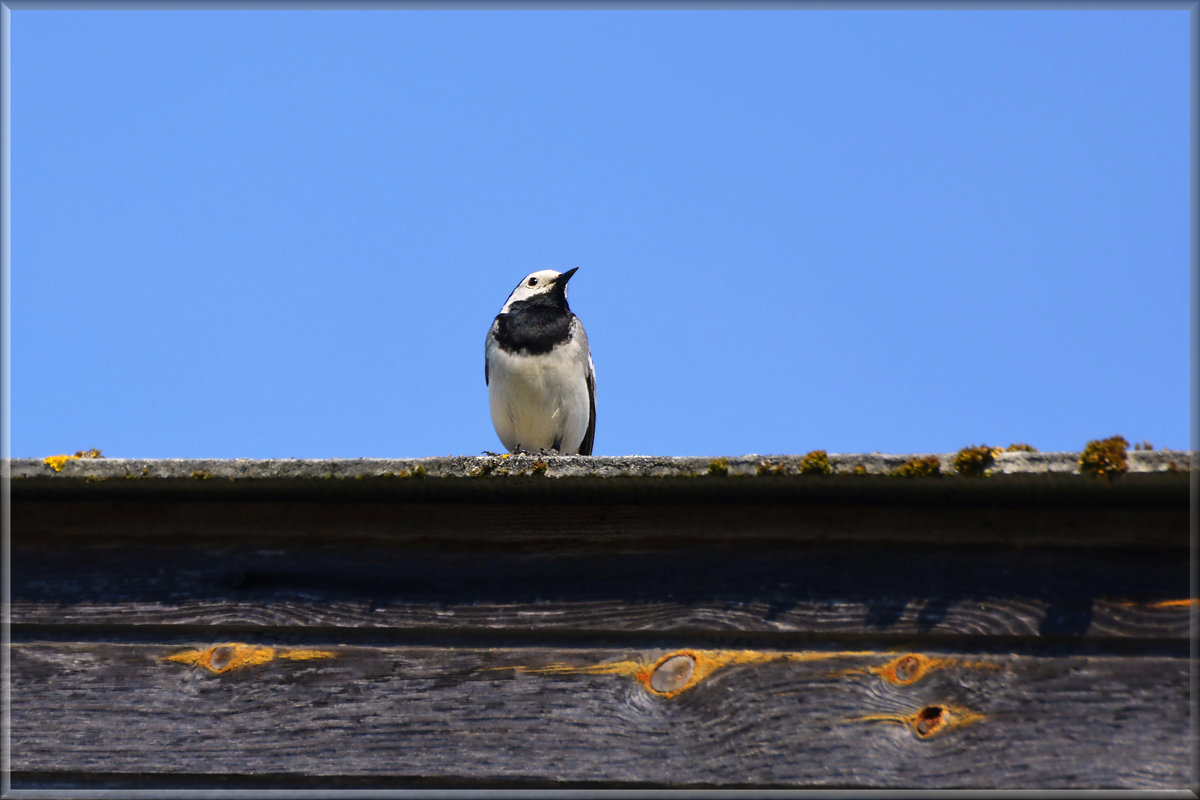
(496, 466)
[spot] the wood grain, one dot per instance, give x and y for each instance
(381, 633)
(817, 590)
(576, 716)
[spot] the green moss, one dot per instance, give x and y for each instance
(927, 466)
(767, 468)
(1104, 457)
(718, 467)
(418, 471)
(974, 460)
(201, 475)
(816, 463)
(1021, 447)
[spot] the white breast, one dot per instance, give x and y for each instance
(538, 400)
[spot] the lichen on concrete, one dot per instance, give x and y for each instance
(526, 466)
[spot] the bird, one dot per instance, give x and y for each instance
(538, 370)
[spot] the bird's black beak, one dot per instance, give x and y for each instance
(562, 279)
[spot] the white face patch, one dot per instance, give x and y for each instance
(534, 283)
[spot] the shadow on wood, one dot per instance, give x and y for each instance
(359, 637)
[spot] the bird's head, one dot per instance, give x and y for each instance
(545, 285)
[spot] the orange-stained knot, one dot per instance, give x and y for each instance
(681, 670)
(903, 670)
(1182, 603)
(930, 720)
(676, 672)
(234, 655)
(908, 669)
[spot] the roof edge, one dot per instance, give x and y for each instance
(1021, 463)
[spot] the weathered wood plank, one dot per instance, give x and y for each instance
(802, 718)
(1052, 614)
(814, 589)
(1117, 620)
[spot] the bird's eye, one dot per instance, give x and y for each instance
(533, 281)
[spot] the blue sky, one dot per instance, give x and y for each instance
(275, 234)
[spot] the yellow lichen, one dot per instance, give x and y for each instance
(57, 461)
(718, 467)
(1104, 457)
(975, 460)
(919, 467)
(816, 463)
(486, 468)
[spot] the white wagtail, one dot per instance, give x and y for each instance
(538, 370)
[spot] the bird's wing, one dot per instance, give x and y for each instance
(487, 349)
(585, 448)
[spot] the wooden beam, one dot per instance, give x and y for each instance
(814, 718)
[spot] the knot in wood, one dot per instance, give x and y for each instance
(928, 719)
(672, 674)
(908, 669)
(221, 657)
